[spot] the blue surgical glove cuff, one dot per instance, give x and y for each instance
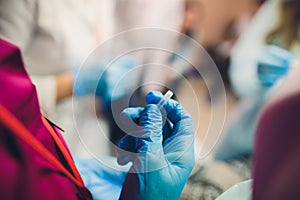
(104, 181)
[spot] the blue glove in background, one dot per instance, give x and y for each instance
(119, 79)
(273, 64)
(103, 79)
(86, 80)
(238, 139)
(253, 70)
(104, 182)
(162, 157)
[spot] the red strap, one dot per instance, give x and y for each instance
(63, 150)
(17, 128)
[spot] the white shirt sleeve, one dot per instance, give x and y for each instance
(17, 24)
(17, 21)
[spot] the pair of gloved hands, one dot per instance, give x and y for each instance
(106, 78)
(161, 152)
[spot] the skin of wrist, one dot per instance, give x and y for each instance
(64, 86)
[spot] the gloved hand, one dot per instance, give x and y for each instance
(102, 79)
(103, 180)
(119, 78)
(273, 64)
(162, 156)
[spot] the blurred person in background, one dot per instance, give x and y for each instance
(275, 170)
(211, 179)
(220, 26)
(57, 36)
(216, 26)
(257, 68)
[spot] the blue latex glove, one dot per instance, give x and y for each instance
(273, 64)
(119, 79)
(89, 80)
(102, 78)
(104, 182)
(163, 156)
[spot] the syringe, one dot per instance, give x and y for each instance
(165, 99)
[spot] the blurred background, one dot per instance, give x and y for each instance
(223, 59)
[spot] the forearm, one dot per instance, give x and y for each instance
(64, 86)
(46, 90)
(51, 89)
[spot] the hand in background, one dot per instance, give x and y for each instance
(273, 64)
(106, 79)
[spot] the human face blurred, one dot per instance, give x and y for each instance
(218, 16)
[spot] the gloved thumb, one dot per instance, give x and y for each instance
(150, 153)
(128, 144)
(144, 133)
(150, 133)
(143, 146)
(127, 149)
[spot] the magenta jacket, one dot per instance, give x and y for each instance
(29, 170)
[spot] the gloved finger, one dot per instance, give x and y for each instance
(127, 149)
(131, 113)
(167, 130)
(151, 123)
(167, 127)
(178, 146)
(154, 97)
(150, 154)
(149, 133)
(274, 60)
(130, 119)
(146, 151)
(175, 113)
(273, 64)
(171, 106)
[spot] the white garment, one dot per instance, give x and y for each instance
(55, 36)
